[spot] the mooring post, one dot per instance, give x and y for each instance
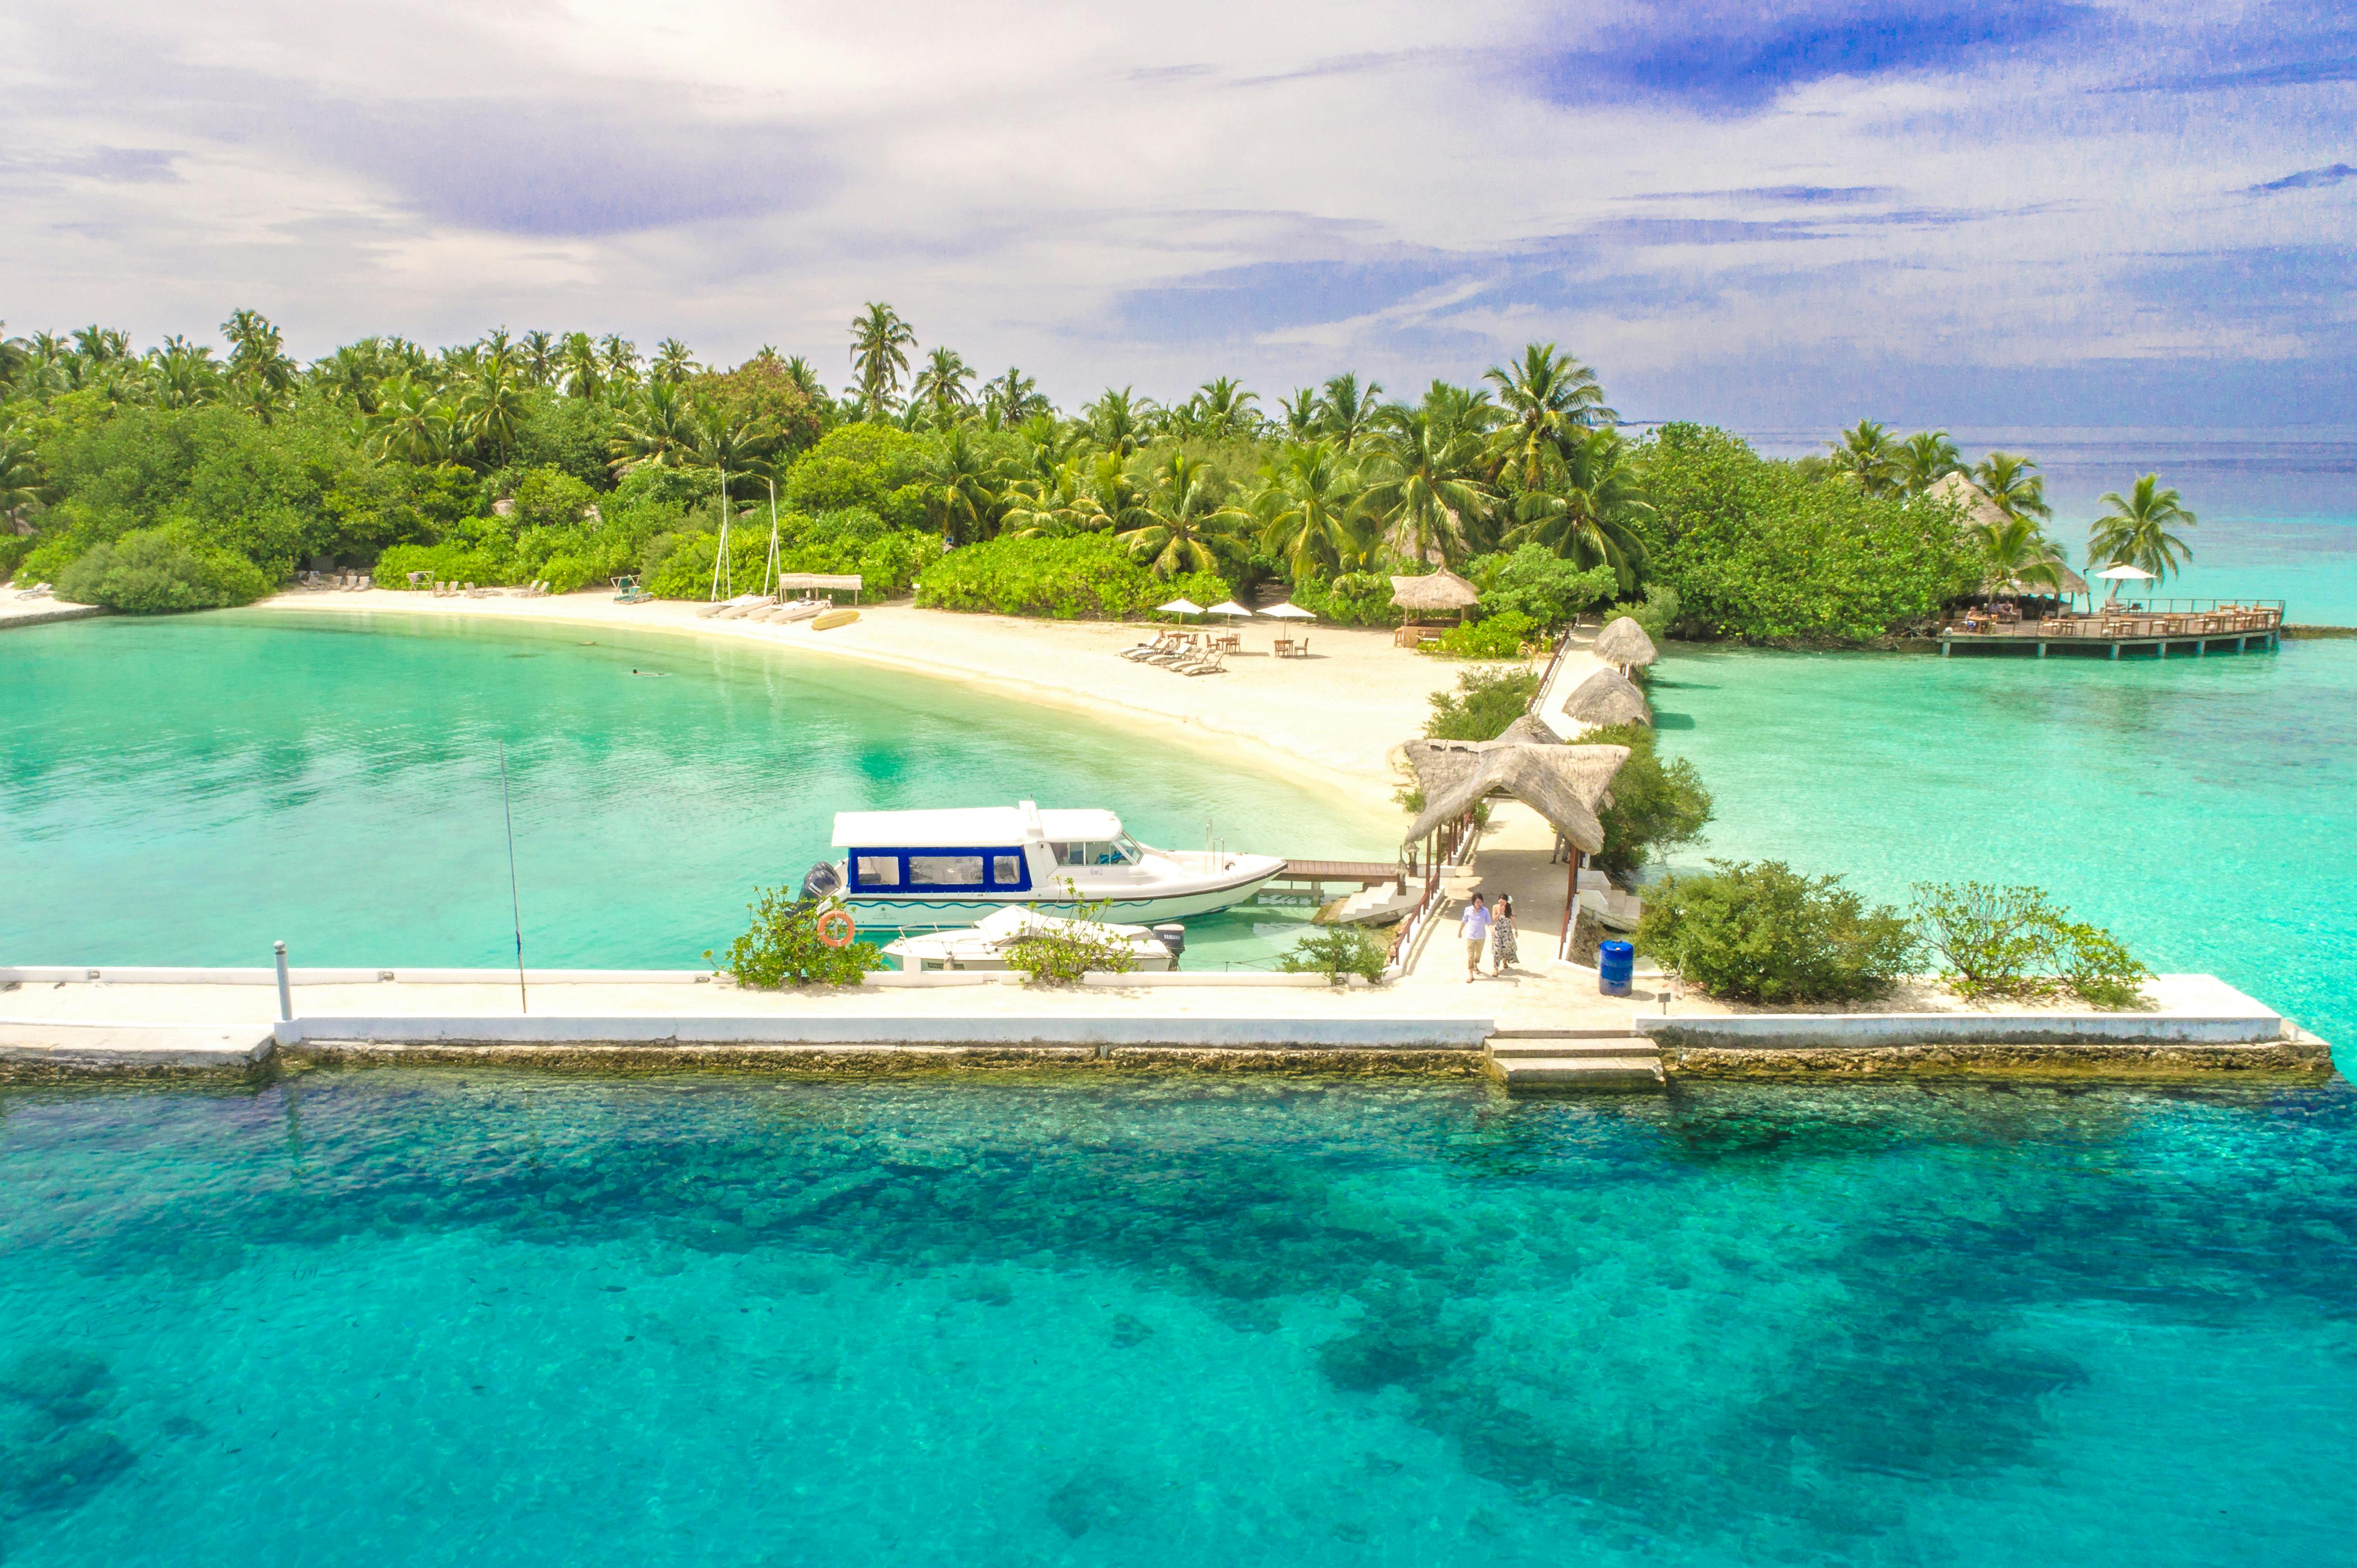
(286, 995)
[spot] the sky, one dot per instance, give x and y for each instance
(1767, 214)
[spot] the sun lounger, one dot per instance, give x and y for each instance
(1212, 663)
(1163, 643)
(38, 591)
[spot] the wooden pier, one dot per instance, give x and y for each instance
(2200, 625)
(1315, 874)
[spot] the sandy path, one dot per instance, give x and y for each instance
(1331, 718)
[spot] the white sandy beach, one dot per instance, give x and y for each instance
(1334, 716)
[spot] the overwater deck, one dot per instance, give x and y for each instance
(2198, 624)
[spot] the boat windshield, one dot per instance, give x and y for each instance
(1123, 851)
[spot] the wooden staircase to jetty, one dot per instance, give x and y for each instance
(1574, 1058)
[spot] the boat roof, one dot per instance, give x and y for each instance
(971, 827)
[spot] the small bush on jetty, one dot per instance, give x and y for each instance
(1761, 931)
(2014, 942)
(1338, 952)
(1060, 955)
(782, 947)
(1487, 700)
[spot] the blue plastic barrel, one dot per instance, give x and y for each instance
(1615, 961)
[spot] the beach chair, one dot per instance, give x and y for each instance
(38, 591)
(1183, 650)
(1212, 663)
(1161, 643)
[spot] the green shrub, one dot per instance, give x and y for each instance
(447, 562)
(1655, 805)
(782, 947)
(14, 548)
(1084, 577)
(1657, 612)
(2016, 942)
(1338, 952)
(861, 464)
(1499, 636)
(1536, 582)
(152, 572)
(1487, 700)
(1355, 598)
(1062, 955)
(1762, 932)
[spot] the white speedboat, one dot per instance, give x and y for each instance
(984, 944)
(915, 869)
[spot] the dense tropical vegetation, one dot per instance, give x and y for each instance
(176, 479)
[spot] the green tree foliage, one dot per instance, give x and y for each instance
(1500, 635)
(870, 466)
(1535, 582)
(1086, 576)
(2135, 529)
(1655, 805)
(1354, 598)
(2016, 942)
(153, 571)
(782, 947)
(1762, 550)
(1487, 700)
(1763, 932)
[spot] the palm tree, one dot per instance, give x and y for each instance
(2014, 484)
(413, 424)
(1346, 413)
(674, 361)
(182, 375)
(1299, 412)
(1427, 487)
(1115, 420)
(1113, 499)
(1545, 399)
(538, 353)
(494, 407)
(577, 361)
(1220, 409)
(1012, 399)
(2014, 553)
(1464, 408)
(880, 342)
(1588, 507)
(1051, 502)
(1925, 459)
(1309, 511)
(1188, 528)
(941, 383)
(620, 358)
(733, 442)
(806, 382)
(2133, 530)
(20, 485)
(959, 490)
(16, 357)
(659, 431)
(1868, 458)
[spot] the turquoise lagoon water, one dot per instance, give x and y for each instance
(404, 1317)
(188, 790)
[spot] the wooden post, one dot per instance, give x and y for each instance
(1570, 900)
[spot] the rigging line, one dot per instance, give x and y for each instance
(515, 900)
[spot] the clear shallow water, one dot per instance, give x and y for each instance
(188, 789)
(387, 1318)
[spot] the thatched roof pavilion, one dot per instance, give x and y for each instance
(1567, 785)
(1443, 590)
(1624, 645)
(1608, 697)
(1974, 501)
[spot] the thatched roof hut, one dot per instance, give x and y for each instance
(1624, 645)
(1608, 697)
(1968, 498)
(1528, 731)
(1567, 785)
(1443, 590)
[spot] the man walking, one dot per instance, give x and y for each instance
(1474, 927)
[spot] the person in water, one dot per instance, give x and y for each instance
(1474, 927)
(1502, 954)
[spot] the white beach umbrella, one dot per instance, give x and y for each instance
(1228, 607)
(2121, 572)
(1180, 607)
(1289, 611)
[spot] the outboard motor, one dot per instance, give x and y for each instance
(1175, 938)
(823, 881)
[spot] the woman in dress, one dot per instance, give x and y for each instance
(1501, 935)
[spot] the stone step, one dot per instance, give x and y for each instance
(1580, 1072)
(1621, 1033)
(1614, 1045)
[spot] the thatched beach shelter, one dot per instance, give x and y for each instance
(1442, 591)
(1567, 785)
(1608, 697)
(1624, 645)
(1969, 498)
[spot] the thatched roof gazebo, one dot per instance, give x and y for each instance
(1567, 785)
(1608, 697)
(1443, 590)
(1624, 645)
(1956, 490)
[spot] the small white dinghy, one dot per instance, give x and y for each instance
(984, 944)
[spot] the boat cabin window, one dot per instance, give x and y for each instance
(945, 871)
(1123, 851)
(1007, 870)
(876, 870)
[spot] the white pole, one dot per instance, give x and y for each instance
(285, 996)
(770, 565)
(720, 561)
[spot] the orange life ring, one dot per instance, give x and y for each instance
(836, 930)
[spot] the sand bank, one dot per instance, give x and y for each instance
(1332, 716)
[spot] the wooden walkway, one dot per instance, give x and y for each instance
(2202, 627)
(1360, 872)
